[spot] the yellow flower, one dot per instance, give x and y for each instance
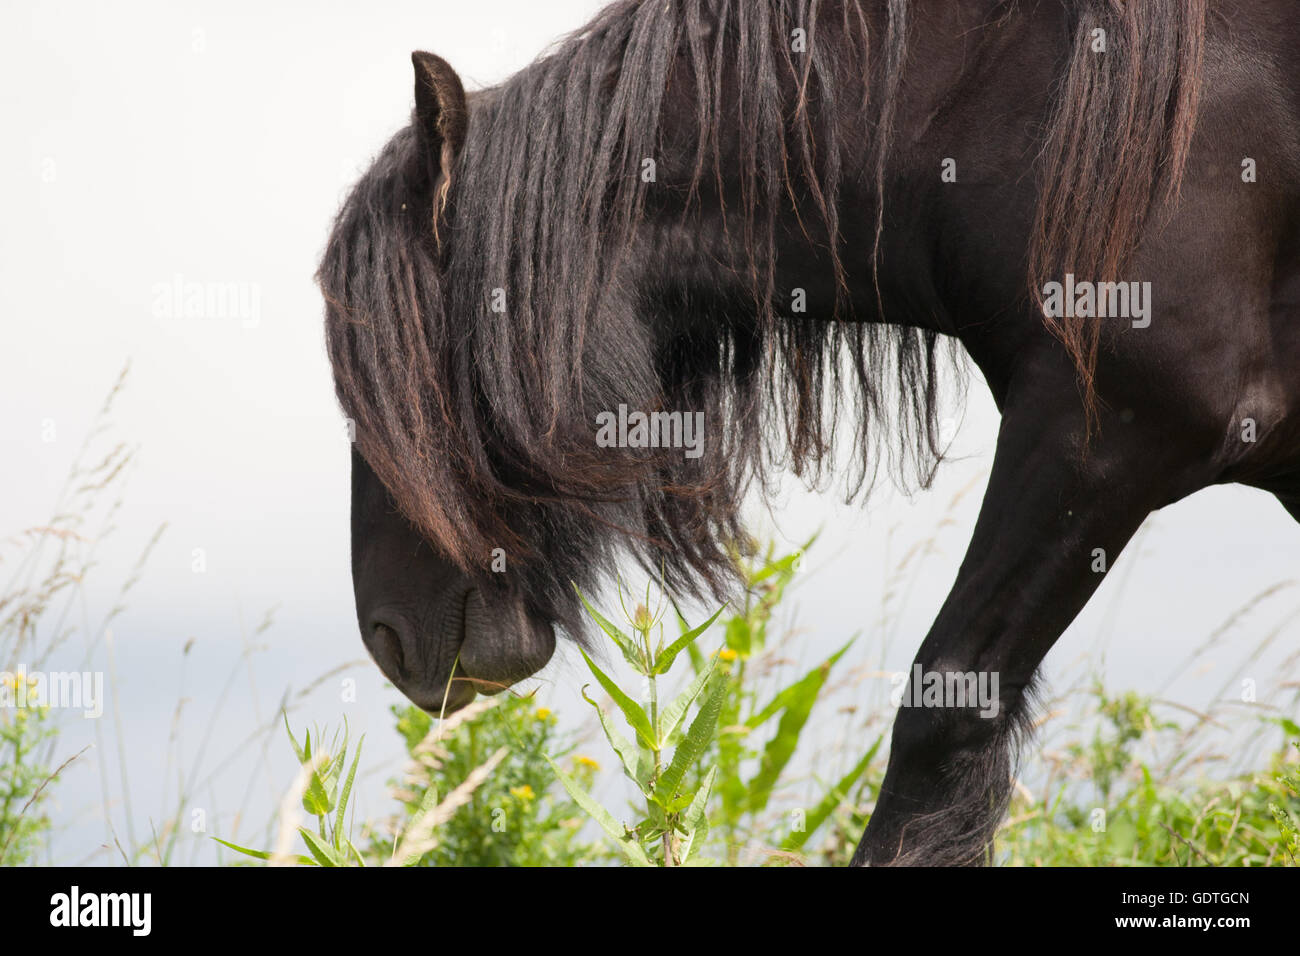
(727, 654)
(543, 713)
(587, 762)
(523, 793)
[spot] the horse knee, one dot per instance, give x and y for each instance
(935, 735)
(951, 713)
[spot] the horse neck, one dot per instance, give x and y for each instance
(740, 201)
(718, 244)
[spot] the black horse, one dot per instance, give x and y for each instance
(780, 215)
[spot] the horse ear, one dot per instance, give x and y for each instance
(441, 117)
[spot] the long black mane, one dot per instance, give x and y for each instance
(482, 423)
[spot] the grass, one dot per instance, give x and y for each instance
(706, 765)
(708, 754)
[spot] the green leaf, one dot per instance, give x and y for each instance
(785, 564)
(298, 751)
(798, 690)
(1290, 726)
(624, 842)
(696, 819)
(634, 763)
(261, 854)
(696, 741)
(679, 803)
(697, 657)
(636, 717)
(256, 854)
(632, 651)
(355, 853)
(655, 822)
(834, 797)
(323, 852)
(669, 654)
(317, 799)
(428, 803)
(347, 792)
(799, 700)
(671, 716)
(739, 636)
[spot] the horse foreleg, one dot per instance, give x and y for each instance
(1048, 530)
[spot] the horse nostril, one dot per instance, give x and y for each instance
(386, 648)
